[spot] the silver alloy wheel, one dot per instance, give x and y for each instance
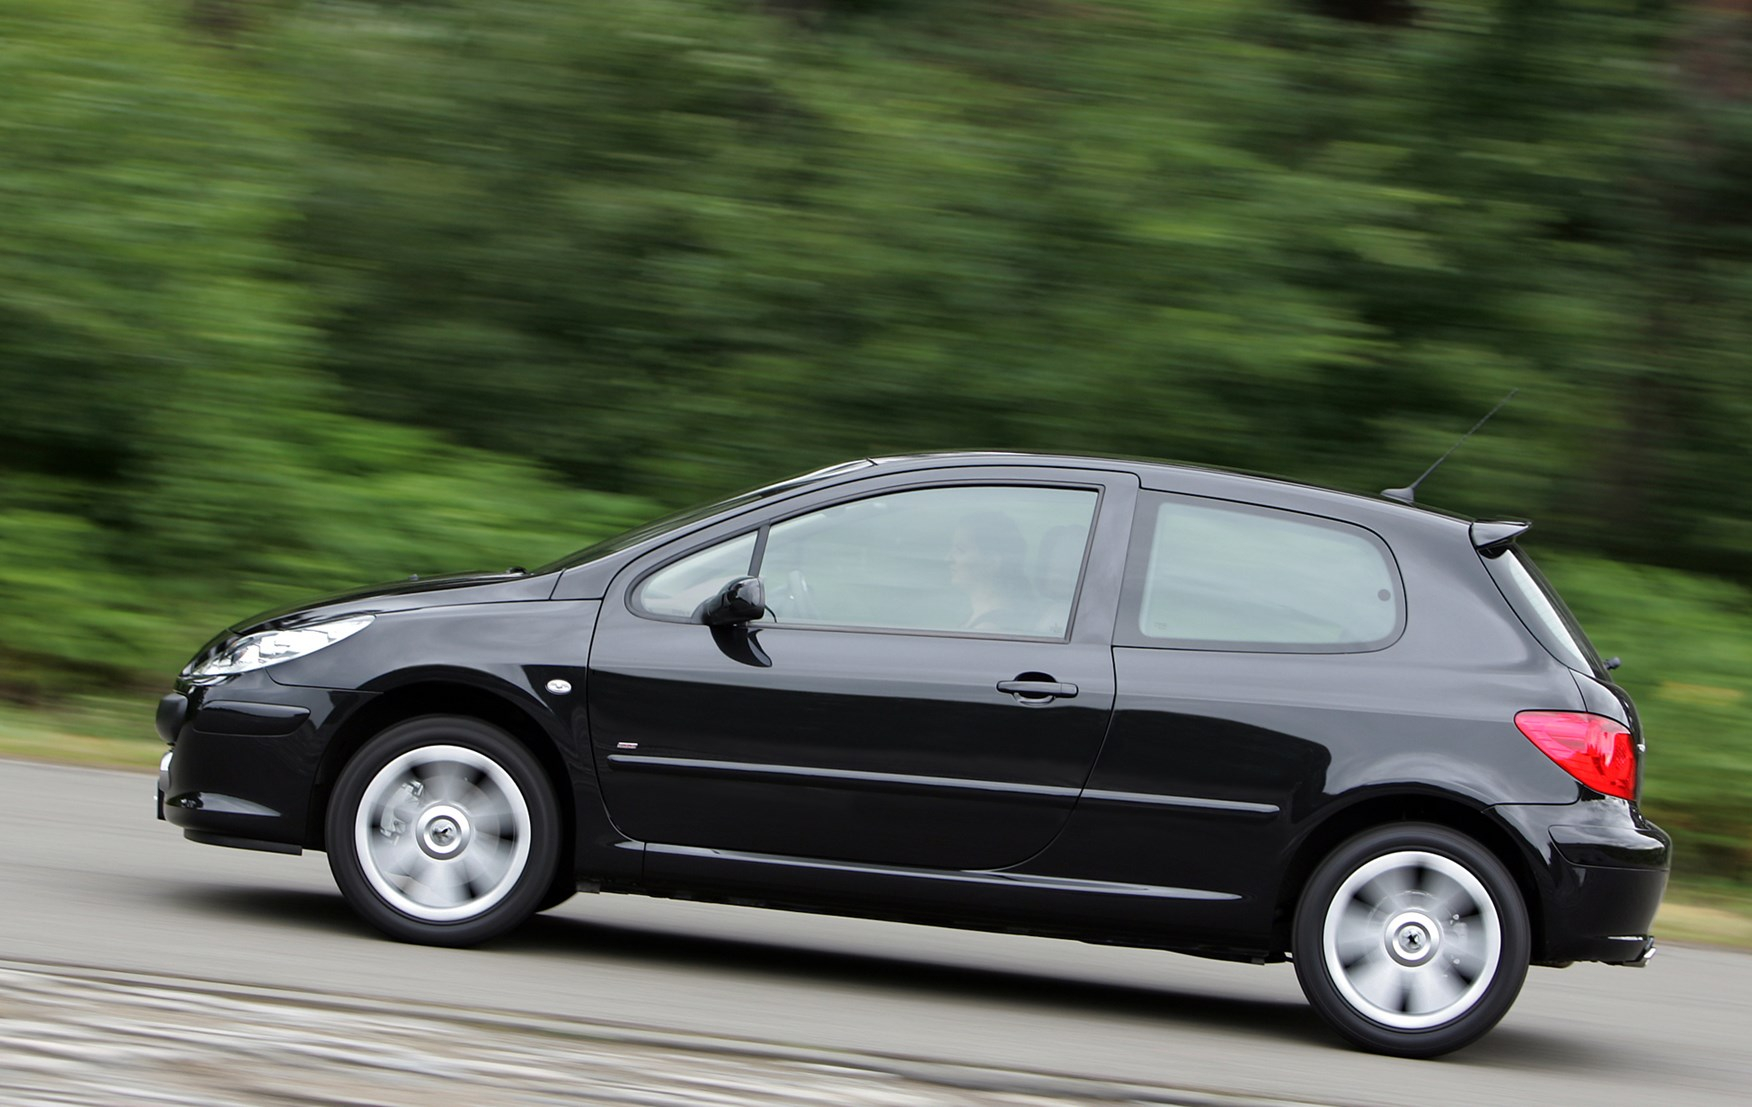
(442, 833)
(1412, 939)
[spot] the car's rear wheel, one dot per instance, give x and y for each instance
(443, 830)
(1411, 940)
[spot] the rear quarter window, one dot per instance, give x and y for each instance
(1207, 574)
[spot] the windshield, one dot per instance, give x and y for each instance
(686, 516)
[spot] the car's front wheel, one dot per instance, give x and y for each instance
(1411, 940)
(443, 830)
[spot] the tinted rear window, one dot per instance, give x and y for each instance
(1214, 575)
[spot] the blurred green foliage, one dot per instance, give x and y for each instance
(303, 293)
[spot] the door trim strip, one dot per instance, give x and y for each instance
(860, 776)
(709, 767)
(1234, 807)
(1027, 881)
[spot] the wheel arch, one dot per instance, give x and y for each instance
(441, 697)
(1378, 810)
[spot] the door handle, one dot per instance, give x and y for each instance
(1037, 691)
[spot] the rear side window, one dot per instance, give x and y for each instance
(1545, 614)
(1211, 575)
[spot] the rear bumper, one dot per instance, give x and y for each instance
(1599, 872)
(1603, 914)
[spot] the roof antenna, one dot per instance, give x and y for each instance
(1408, 494)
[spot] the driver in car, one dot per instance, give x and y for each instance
(986, 562)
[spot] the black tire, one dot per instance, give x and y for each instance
(563, 888)
(444, 830)
(1411, 940)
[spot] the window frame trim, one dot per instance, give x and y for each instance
(1128, 630)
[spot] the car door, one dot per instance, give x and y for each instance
(929, 689)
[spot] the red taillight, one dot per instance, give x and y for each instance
(1595, 750)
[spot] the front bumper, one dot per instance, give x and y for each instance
(163, 781)
(1599, 873)
(244, 760)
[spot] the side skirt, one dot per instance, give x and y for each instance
(1100, 912)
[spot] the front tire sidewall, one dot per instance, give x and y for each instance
(532, 885)
(1316, 976)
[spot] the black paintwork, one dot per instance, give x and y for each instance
(1176, 800)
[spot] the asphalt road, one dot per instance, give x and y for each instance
(89, 879)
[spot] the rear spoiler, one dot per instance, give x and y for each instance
(1492, 537)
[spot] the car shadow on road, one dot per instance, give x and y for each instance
(558, 937)
(325, 912)
(561, 937)
(1518, 1047)
(1050, 992)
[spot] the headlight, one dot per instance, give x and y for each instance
(270, 647)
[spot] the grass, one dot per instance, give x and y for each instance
(107, 732)
(1706, 912)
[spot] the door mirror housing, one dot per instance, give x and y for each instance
(743, 600)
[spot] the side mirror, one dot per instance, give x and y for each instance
(743, 600)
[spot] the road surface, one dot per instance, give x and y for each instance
(99, 900)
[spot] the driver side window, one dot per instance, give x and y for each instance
(1002, 560)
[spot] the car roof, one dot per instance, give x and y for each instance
(1176, 476)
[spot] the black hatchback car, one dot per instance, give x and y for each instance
(1116, 701)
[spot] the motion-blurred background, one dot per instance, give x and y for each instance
(299, 294)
